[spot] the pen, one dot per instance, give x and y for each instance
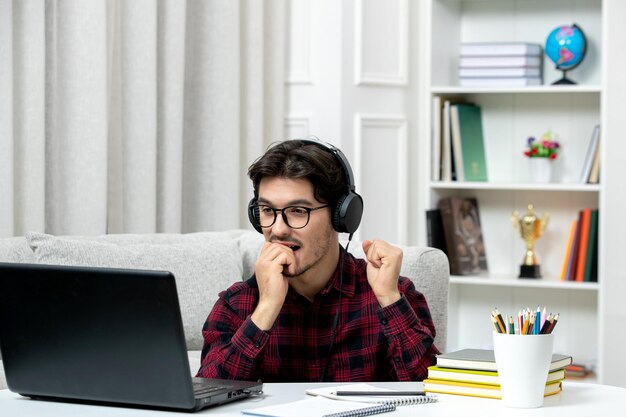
(378, 393)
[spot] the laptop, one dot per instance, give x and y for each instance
(102, 335)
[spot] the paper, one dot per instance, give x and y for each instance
(311, 407)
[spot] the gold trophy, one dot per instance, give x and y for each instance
(531, 228)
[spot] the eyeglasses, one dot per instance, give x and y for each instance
(295, 217)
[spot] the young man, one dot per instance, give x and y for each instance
(311, 311)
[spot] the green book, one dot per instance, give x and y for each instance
(470, 132)
(592, 248)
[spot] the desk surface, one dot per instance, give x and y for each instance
(577, 399)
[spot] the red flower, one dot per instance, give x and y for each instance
(552, 156)
(534, 151)
(527, 153)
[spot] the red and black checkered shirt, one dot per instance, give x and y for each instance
(371, 343)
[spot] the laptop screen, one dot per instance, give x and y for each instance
(94, 334)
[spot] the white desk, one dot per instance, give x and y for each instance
(577, 399)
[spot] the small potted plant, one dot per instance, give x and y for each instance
(541, 153)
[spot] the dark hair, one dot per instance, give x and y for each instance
(296, 159)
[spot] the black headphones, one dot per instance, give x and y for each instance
(346, 215)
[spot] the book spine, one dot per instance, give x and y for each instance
(500, 62)
(499, 72)
(456, 143)
(435, 235)
(500, 81)
(436, 139)
(571, 262)
(447, 219)
(582, 250)
(572, 231)
(590, 155)
(592, 247)
(500, 49)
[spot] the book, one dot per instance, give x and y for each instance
(577, 370)
(585, 218)
(477, 390)
(464, 240)
(367, 397)
(320, 406)
(484, 360)
(568, 249)
(591, 265)
(457, 154)
(435, 236)
(467, 125)
(446, 147)
(590, 155)
(498, 61)
(500, 81)
(500, 72)
(594, 175)
(479, 377)
(500, 49)
(436, 139)
(571, 262)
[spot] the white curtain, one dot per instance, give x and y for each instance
(135, 116)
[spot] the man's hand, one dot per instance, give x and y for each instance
(272, 261)
(383, 269)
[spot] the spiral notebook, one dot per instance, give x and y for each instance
(367, 389)
(319, 406)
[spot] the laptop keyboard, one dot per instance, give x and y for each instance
(203, 389)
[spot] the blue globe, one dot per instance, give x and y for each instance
(566, 46)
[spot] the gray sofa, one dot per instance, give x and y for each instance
(204, 264)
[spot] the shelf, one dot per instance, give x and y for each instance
(508, 186)
(507, 281)
(542, 89)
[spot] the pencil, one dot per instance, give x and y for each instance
(378, 393)
(498, 317)
(495, 325)
(537, 321)
(546, 324)
(554, 320)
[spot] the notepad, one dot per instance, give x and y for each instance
(328, 392)
(320, 406)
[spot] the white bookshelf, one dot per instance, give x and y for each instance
(510, 115)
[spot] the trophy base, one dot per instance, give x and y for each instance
(529, 271)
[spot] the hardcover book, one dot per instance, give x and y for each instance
(484, 360)
(435, 236)
(464, 239)
(479, 377)
(499, 61)
(500, 48)
(477, 390)
(500, 81)
(500, 72)
(467, 133)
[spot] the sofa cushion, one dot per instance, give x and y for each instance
(202, 266)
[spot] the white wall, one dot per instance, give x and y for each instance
(351, 82)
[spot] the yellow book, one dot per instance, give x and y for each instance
(572, 230)
(479, 377)
(477, 390)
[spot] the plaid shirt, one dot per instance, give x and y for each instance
(371, 343)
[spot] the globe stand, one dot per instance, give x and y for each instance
(564, 80)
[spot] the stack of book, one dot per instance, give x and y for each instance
(510, 64)
(581, 256)
(473, 372)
